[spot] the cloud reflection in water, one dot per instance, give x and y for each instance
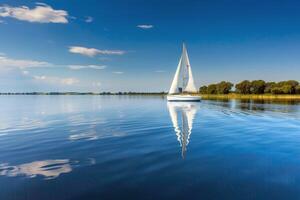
(50, 169)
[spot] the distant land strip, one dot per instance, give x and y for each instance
(83, 93)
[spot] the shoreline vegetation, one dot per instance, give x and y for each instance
(256, 90)
(250, 96)
(245, 90)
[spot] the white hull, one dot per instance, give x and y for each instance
(179, 97)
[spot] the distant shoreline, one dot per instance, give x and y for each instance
(203, 96)
(251, 96)
(82, 93)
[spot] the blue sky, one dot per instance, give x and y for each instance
(135, 45)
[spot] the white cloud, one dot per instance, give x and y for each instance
(56, 80)
(89, 19)
(69, 81)
(39, 77)
(42, 13)
(118, 72)
(91, 52)
(145, 26)
(160, 71)
(78, 67)
(10, 63)
(6, 62)
(25, 72)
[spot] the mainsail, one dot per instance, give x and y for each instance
(183, 71)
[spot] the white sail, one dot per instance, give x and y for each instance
(190, 86)
(183, 72)
(175, 82)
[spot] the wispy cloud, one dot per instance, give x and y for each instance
(118, 72)
(145, 26)
(56, 80)
(160, 71)
(10, 63)
(96, 84)
(69, 81)
(91, 52)
(25, 72)
(6, 62)
(78, 67)
(42, 13)
(89, 19)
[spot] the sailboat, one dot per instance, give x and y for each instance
(183, 82)
(182, 116)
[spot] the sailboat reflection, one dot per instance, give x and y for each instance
(182, 116)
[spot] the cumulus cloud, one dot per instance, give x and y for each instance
(78, 67)
(91, 52)
(118, 72)
(145, 26)
(6, 62)
(42, 13)
(89, 19)
(56, 80)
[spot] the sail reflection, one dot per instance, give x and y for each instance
(182, 115)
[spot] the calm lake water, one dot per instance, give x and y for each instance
(121, 147)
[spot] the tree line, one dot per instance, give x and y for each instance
(252, 87)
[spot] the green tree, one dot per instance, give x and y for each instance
(243, 87)
(212, 89)
(285, 87)
(293, 83)
(257, 87)
(269, 86)
(297, 89)
(276, 90)
(288, 89)
(203, 89)
(223, 87)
